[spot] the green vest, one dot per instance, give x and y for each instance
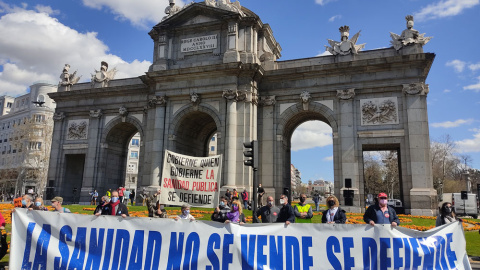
(303, 209)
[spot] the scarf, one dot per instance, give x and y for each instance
(113, 207)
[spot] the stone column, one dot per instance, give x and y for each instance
(422, 195)
(269, 175)
(57, 159)
(154, 144)
(230, 138)
(347, 138)
(90, 178)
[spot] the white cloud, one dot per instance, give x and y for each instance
(333, 18)
(45, 45)
(311, 134)
(470, 145)
(444, 8)
(330, 158)
(450, 124)
(142, 13)
(323, 2)
(474, 87)
(458, 65)
(474, 67)
(447, 91)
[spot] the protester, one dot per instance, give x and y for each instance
(115, 207)
(220, 212)
(234, 194)
(228, 194)
(381, 213)
(260, 193)
(101, 206)
(447, 215)
(268, 213)
(132, 197)
(121, 191)
(245, 199)
(316, 200)
(155, 209)
(333, 214)
(27, 201)
(94, 196)
(144, 196)
(126, 197)
(236, 214)
(185, 213)
(287, 214)
(57, 204)
(39, 205)
(303, 211)
(2, 222)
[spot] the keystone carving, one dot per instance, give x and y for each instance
(305, 97)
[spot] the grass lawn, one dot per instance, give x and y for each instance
(472, 237)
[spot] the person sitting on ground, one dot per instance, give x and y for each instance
(268, 213)
(100, 208)
(155, 209)
(303, 210)
(39, 205)
(447, 215)
(57, 204)
(185, 213)
(236, 214)
(381, 213)
(287, 214)
(115, 207)
(333, 214)
(220, 212)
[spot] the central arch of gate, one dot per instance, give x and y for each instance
(215, 70)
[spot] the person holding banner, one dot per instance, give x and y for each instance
(57, 204)
(287, 214)
(303, 210)
(334, 214)
(115, 207)
(269, 213)
(185, 213)
(236, 214)
(100, 208)
(220, 213)
(447, 215)
(39, 205)
(381, 213)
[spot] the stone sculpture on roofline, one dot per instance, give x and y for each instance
(67, 79)
(102, 77)
(345, 46)
(409, 36)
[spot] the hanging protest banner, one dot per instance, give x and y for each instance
(192, 180)
(47, 240)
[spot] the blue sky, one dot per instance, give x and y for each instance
(38, 37)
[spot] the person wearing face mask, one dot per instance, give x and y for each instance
(57, 204)
(155, 209)
(447, 215)
(99, 210)
(39, 205)
(220, 212)
(381, 213)
(268, 213)
(185, 214)
(334, 214)
(27, 201)
(287, 214)
(236, 214)
(303, 211)
(115, 207)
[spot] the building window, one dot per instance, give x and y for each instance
(134, 154)
(212, 148)
(9, 105)
(135, 142)
(213, 138)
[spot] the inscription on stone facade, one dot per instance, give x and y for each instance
(379, 111)
(199, 43)
(77, 129)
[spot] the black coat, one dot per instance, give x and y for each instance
(340, 216)
(122, 209)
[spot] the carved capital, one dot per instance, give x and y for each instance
(157, 101)
(242, 95)
(346, 94)
(194, 98)
(58, 116)
(96, 113)
(122, 111)
(416, 89)
(230, 95)
(267, 101)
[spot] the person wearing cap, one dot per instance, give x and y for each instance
(57, 204)
(381, 213)
(333, 214)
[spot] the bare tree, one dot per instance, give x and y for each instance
(390, 173)
(372, 173)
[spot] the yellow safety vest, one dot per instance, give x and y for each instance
(303, 209)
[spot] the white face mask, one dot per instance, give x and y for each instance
(282, 201)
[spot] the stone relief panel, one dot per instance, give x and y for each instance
(379, 111)
(77, 129)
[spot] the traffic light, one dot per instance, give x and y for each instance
(251, 151)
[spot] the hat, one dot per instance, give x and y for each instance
(57, 199)
(382, 195)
